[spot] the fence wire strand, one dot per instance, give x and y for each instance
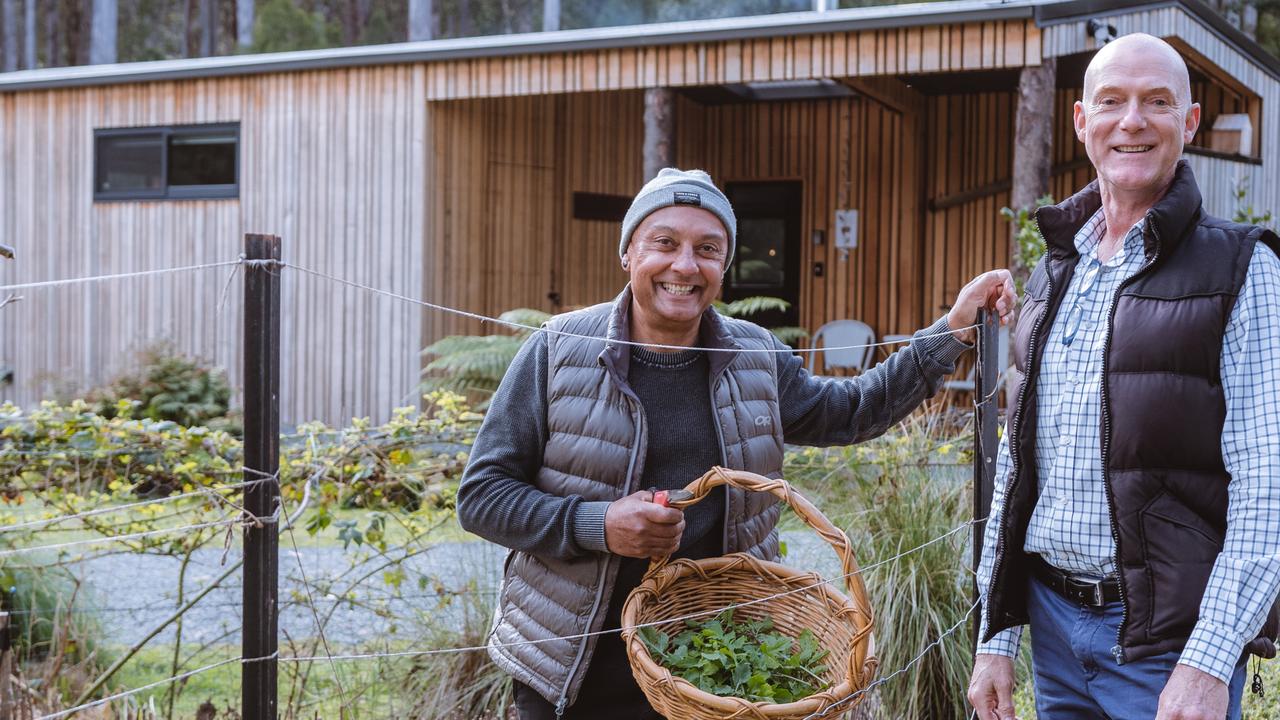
(245, 518)
(608, 341)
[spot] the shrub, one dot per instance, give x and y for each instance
(459, 686)
(891, 495)
(72, 456)
(1028, 244)
(169, 387)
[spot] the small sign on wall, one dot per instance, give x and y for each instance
(846, 231)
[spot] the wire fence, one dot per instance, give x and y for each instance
(316, 591)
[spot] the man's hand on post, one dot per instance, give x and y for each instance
(991, 687)
(992, 290)
(635, 526)
(1192, 694)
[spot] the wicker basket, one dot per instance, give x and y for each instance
(684, 587)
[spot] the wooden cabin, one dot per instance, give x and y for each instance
(870, 148)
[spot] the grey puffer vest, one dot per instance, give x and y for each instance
(1163, 411)
(596, 449)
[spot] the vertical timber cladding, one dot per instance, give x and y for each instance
(969, 163)
(504, 235)
(865, 153)
(329, 160)
(857, 153)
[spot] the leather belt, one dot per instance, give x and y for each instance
(1090, 593)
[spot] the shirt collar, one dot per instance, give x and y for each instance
(1095, 228)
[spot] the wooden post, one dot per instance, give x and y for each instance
(985, 439)
(261, 459)
(659, 130)
(1032, 142)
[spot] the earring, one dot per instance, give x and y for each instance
(625, 262)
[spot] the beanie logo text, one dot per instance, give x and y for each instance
(688, 198)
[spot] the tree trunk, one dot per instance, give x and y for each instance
(10, 39)
(659, 130)
(550, 15)
(51, 44)
(420, 20)
(208, 28)
(350, 23)
(102, 39)
(1032, 142)
(191, 12)
(244, 23)
(29, 41)
(465, 26)
(84, 31)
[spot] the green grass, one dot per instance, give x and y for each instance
(368, 686)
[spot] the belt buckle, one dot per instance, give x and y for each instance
(1085, 592)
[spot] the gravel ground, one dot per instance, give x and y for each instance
(132, 594)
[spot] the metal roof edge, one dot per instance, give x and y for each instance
(1053, 14)
(738, 28)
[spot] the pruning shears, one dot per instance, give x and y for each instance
(666, 497)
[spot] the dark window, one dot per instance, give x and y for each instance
(155, 163)
(597, 206)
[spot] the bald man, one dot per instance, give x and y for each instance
(1133, 524)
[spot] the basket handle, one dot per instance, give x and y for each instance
(781, 489)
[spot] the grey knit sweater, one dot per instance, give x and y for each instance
(498, 501)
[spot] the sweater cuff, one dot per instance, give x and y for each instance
(942, 346)
(588, 525)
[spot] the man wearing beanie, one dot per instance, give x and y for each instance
(646, 392)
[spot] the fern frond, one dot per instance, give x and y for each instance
(525, 316)
(789, 335)
(753, 305)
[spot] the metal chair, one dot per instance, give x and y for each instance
(842, 334)
(899, 341)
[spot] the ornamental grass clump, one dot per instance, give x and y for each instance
(747, 660)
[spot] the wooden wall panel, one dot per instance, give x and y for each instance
(968, 150)
(855, 53)
(858, 153)
(331, 161)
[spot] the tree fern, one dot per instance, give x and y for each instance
(473, 365)
(787, 335)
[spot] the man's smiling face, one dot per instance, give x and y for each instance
(1136, 115)
(676, 261)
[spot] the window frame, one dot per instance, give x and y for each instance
(165, 133)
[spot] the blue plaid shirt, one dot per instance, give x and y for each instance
(1071, 524)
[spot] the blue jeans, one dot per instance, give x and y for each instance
(1076, 676)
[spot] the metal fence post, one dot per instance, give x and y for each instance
(261, 460)
(985, 439)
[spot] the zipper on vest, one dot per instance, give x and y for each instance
(724, 458)
(1014, 457)
(1118, 650)
(604, 567)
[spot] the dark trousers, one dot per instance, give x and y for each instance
(609, 691)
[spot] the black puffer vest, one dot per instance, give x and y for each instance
(1162, 415)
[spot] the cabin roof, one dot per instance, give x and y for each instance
(1044, 12)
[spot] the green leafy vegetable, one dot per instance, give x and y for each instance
(748, 660)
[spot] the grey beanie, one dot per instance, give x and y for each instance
(680, 187)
